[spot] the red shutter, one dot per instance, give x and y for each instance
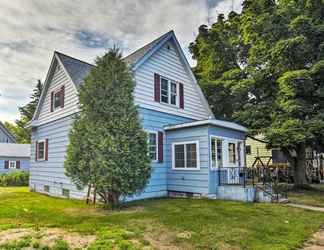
(18, 164)
(62, 96)
(36, 150)
(52, 100)
(156, 87)
(6, 164)
(160, 146)
(46, 150)
(181, 95)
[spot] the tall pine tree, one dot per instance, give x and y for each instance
(19, 130)
(108, 147)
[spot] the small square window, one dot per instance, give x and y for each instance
(66, 192)
(46, 188)
(185, 155)
(12, 164)
(248, 149)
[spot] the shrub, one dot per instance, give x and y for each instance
(14, 179)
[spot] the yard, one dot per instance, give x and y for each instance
(30, 219)
(313, 196)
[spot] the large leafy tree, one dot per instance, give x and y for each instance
(18, 129)
(264, 68)
(108, 147)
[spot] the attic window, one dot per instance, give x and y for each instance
(168, 47)
(57, 99)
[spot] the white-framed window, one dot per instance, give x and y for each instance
(232, 153)
(12, 164)
(57, 98)
(168, 91)
(152, 145)
(185, 155)
(216, 152)
(41, 150)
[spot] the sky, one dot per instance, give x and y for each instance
(31, 30)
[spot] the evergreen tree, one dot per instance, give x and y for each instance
(19, 130)
(264, 69)
(108, 147)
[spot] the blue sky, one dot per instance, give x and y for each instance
(31, 30)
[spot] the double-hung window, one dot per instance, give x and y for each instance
(216, 152)
(57, 99)
(185, 156)
(231, 153)
(41, 150)
(152, 145)
(169, 91)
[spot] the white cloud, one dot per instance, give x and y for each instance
(31, 30)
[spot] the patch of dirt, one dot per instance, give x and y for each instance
(47, 236)
(316, 242)
(162, 239)
(14, 234)
(101, 211)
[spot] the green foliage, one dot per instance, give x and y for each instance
(20, 178)
(60, 244)
(22, 134)
(210, 222)
(17, 244)
(276, 50)
(115, 238)
(108, 147)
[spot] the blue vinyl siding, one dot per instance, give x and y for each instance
(24, 164)
(193, 181)
(155, 121)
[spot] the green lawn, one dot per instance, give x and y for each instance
(313, 197)
(182, 223)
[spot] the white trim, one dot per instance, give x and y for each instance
(156, 143)
(38, 142)
(15, 165)
(210, 151)
(214, 122)
(185, 153)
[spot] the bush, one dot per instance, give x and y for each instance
(14, 179)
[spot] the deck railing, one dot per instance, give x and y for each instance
(233, 176)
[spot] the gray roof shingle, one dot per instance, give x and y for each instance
(78, 69)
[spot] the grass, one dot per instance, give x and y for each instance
(185, 223)
(313, 196)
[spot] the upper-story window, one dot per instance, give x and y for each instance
(169, 91)
(57, 98)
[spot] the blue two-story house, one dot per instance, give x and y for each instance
(187, 145)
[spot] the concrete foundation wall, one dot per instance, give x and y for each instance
(237, 193)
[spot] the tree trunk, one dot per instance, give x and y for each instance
(300, 167)
(113, 199)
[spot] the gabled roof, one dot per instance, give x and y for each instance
(213, 122)
(77, 69)
(7, 132)
(134, 57)
(14, 150)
